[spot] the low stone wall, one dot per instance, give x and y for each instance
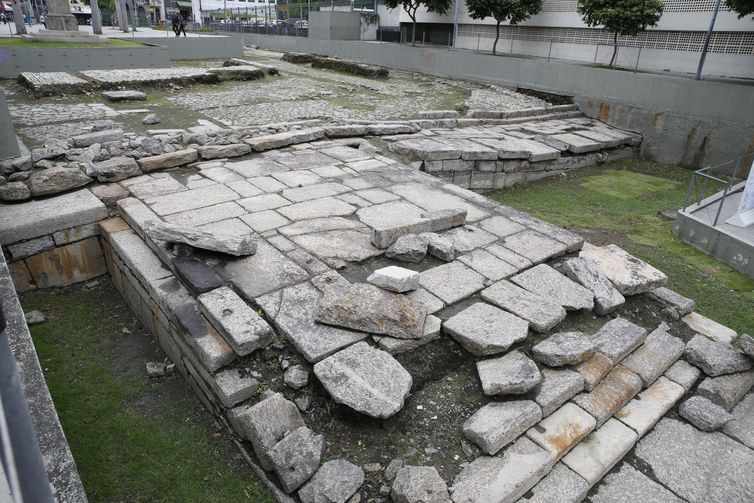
(56, 455)
(17, 60)
(53, 242)
(206, 47)
(340, 65)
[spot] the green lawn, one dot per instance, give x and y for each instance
(133, 438)
(618, 202)
(113, 42)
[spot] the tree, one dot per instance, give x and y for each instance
(742, 7)
(18, 18)
(513, 11)
(411, 6)
(622, 17)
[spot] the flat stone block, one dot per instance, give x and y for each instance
(487, 264)
(617, 388)
(485, 330)
(210, 348)
(451, 282)
(619, 337)
(629, 485)
(565, 348)
(550, 284)
(534, 246)
(562, 430)
(501, 226)
(241, 326)
(233, 386)
(643, 412)
(601, 450)
(296, 457)
(742, 426)
(585, 272)
(630, 275)
(398, 346)
(683, 373)
(168, 160)
(594, 370)
(541, 313)
(556, 388)
(469, 237)
(191, 199)
(499, 423)
(710, 328)
(679, 304)
(561, 485)
(335, 482)
(68, 264)
(512, 374)
(394, 219)
(716, 358)
(659, 351)
(432, 199)
(31, 247)
(704, 414)
(727, 390)
(318, 208)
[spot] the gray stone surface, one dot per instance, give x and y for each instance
(512, 374)
(562, 430)
(265, 424)
(746, 344)
(727, 390)
(397, 346)
(716, 358)
(234, 386)
(534, 246)
(451, 282)
(677, 304)
(338, 247)
(292, 312)
(419, 484)
(367, 308)
(601, 450)
(487, 264)
(659, 351)
(317, 208)
(395, 279)
(619, 337)
(335, 482)
(368, 380)
(202, 197)
(31, 247)
(704, 414)
(124, 95)
(641, 413)
(585, 272)
(698, 466)
(712, 329)
(168, 160)
(629, 485)
(546, 282)
(499, 423)
(565, 348)
(439, 247)
(229, 244)
(501, 226)
(485, 330)
(14, 191)
(84, 140)
(683, 373)
(210, 348)
(612, 393)
(58, 179)
(34, 317)
(241, 326)
(389, 221)
(541, 313)
(408, 248)
(223, 151)
(469, 237)
(629, 274)
(296, 377)
(115, 169)
(556, 388)
(561, 485)
(502, 479)
(296, 457)
(742, 426)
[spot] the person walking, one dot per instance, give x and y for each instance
(181, 25)
(43, 20)
(176, 21)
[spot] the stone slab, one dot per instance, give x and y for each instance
(564, 348)
(488, 264)
(716, 358)
(585, 272)
(641, 413)
(709, 328)
(398, 346)
(451, 282)
(614, 391)
(534, 246)
(594, 370)
(727, 390)
(630, 275)
(541, 313)
(511, 374)
(659, 351)
(499, 423)
(601, 450)
(629, 485)
(742, 426)
(191, 199)
(562, 485)
(556, 388)
(619, 337)
(683, 373)
(485, 330)
(559, 432)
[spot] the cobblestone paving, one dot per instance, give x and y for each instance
(37, 114)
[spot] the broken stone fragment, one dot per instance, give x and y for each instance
(203, 239)
(54, 180)
(408, 248)
(438, 246)
(14, 191)
(499, 423)
(566, 348)
(150, 119)
(296, 457)
(114, 169)
(704, 414)
(485, 330)
(368, 380)
(34, 317)
(367, 308)
(585, 272)
(746, 343)
(677, 304)
(155, 369)
(512, 374)
(419, 484)
(334, 482)
(395, 279)
(296, 377)
(715, 358)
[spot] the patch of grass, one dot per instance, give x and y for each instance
(133, 438)
(113, 42)
(618, 202)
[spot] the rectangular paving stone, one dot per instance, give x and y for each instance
(680, 305)
(487, 264)
(239, 324)
(508, 256)
(156, 187)
(629, 485)
(742, 426)
(659, 351)
(534, 246)
(191, 199)
(619, 337)
(309, 192)
(541, 313)
(431, 199)
(207, 215)
(233, 386)
(545, 281)
(556, 388)
(267, 184)
(451, 282)
(500, 226)
(75, 234)
(317, 208)
(208, 346)
(292, 312)
(137, 214)
(278, 140)
(469, 237)
(429, 301)
(425, 149)
(257, 166)
(561, 485)
(630, 275)
(612, 393)
(643, 412)
(503, 479)
(683, 373)
(601, 450)
(709, 328)
(31, 247)
(394, 219)
(263, 221)
(726, 390)
(574, 143)
(499, 423)
(33, 219)
(139, 258)
(297, 178)
(263, 202)
(559, 432)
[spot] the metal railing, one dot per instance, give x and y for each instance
(726, 175)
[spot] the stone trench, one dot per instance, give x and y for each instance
(369, 328)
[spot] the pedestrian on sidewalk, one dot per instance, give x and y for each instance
(43, 20)
(176, 23)
(181, 25)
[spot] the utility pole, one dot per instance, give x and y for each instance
(706, 41)
(455, 23)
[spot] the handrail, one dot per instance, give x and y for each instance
(703, 174)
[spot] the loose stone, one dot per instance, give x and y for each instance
(296, 458)
(296, 377)
(53, 180)
(14, 191)
(150, 119)
(677, 304)
(499, 423)
(419, 484)
(619, 337)
(683, 373)
(205, 239)
(115, 169)
(727, 390)
(438, 246)
(541, 313)
(545, 281)
(392, 468)
(156, 369)
(746, 344)
(585, 272)
(710, 328)
(334, 482)
(556, 388)
(715, 358)
(409, 248)
(34, 317)
(659, 351)
(395, 279)
(124, 95)
(512, 374)
(704, 414)
(630, 275)
(485, 330)
(566, 348)
(641, 413)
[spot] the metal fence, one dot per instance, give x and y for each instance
(721, 178)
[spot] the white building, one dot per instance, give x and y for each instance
(235, 8)
(673, 45)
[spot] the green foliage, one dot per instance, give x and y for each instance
(622, 17)
(513, 11)
(742, 7)
(411, 6)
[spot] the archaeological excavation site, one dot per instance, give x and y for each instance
(302, 278)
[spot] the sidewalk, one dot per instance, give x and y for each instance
(108, 31)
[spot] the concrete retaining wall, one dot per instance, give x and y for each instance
(335, 25)
(16, 60)
(181, 48)
(8, 141)
(682, 121)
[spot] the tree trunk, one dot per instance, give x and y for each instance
(96, 18)
(18, 18)
(134, 18)
(615, 48)
(497, 37)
